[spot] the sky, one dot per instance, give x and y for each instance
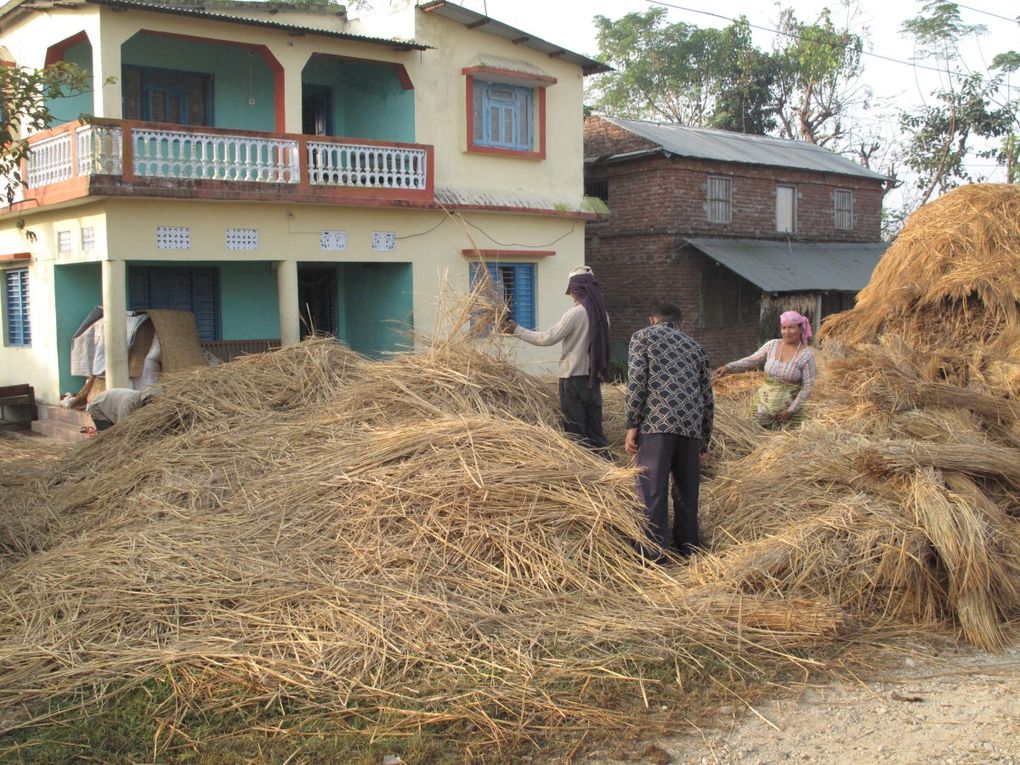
(569, 23)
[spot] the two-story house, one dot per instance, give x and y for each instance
(734, 228)
(275, 168)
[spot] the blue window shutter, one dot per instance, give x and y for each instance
(523, 99)
(503, 116)
(478, 111)
(515, 284)
(19, 320)
(205, 302)
(180, 288)
(524, 295)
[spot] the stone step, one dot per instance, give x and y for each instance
(63, 414)
(60, 430)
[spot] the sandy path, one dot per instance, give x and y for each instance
(959, 707)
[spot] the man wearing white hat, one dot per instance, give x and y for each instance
(584, 360)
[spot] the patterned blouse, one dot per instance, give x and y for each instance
(800, 369)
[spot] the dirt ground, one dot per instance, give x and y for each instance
(958, 706)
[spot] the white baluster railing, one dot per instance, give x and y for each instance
(49, 161)
(215, 156)
(100, 150)
(365, 166)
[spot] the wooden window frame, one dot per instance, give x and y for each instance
(536, 83)
(793, 209)
(714, 204)
(843, 217)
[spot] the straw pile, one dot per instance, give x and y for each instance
(899, 500)
(412, 541)
(390, 543)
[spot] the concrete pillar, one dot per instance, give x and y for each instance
(106, 73)
(115, 324)
(290, 312)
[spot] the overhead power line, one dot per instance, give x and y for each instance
(900, 61)
(1015, 20)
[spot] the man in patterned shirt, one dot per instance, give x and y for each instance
(669, 423)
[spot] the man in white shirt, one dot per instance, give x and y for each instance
(584, 361)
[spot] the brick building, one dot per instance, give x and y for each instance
(734, 228)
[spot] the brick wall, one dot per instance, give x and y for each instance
(639, 256)
(603, 138)
(636, 271)
(670, 194)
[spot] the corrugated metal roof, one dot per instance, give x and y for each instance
(476, 20)
(778, 266)
(728, 146)
(199, 12)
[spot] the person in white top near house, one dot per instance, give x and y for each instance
(584, 362)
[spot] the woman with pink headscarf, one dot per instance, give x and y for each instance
(789, 365)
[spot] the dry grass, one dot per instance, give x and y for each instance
(402, 542)
(410, 542)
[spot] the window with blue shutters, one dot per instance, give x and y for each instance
(515, 286)
(16, 307)
(181, 288)
(503, 116)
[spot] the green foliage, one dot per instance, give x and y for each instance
(683, 74)
(686, 75)
(972, 114)
(818, 66)
(25, 96)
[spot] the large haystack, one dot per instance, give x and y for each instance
(899, 500)
(393, 543)
(951, 278)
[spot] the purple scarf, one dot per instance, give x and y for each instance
(585, 288)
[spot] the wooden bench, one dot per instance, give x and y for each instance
(21, 396)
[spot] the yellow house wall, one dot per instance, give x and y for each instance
(39, 364)
(292, 233)
(441, 115)
(125, 228)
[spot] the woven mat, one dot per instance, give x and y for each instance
(178, 339)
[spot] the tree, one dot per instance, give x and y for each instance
(26, 95)
(969, 109)
(818, 66)
(683, 74)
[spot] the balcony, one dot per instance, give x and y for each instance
(127, 158)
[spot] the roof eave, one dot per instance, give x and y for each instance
(474, 20)
(28, 6)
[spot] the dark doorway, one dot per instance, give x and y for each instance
(317, 299)
(316, 110)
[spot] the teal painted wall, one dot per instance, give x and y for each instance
(368, 99)
(376, 304)
(77, 290)
(249, 308)
(235, 76)
(70, 108)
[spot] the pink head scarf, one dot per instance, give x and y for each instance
(792, 317)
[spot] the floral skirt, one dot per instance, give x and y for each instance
(773, 397)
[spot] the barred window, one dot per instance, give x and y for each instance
(719, 201)
(16, 302)
(843, 201)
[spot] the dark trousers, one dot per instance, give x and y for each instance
(582, 412)
(661, 455)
